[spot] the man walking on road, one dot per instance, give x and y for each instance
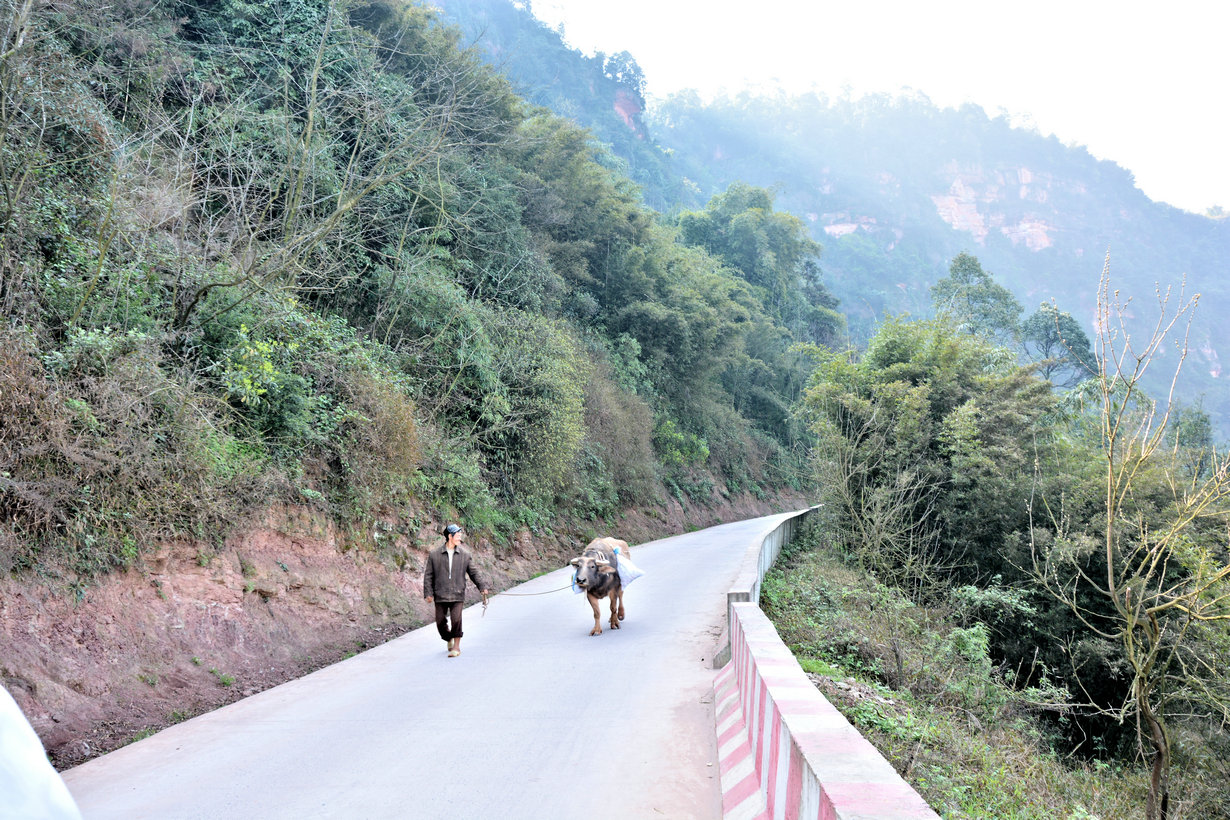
(444, 583)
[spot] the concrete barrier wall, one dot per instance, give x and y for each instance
(784, 751)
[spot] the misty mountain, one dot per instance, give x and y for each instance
(604, 93)
(894, 187)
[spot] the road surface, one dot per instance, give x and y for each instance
(536, 719)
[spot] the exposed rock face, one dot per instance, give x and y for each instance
(628, 107)
(1031, 232)
(840, 224)
(979, 200)
(1210, 358)
(840, 229)
(959, 208)
(976, 202)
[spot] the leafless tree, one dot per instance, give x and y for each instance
(1162, 580)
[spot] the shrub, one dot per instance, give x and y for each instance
(949, 724)
(38, 450)
(591, 492)
(619, 427)
(125, 454)
(678, 448)
(382, 435)
(535, 426)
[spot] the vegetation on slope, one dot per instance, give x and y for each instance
(319, 252)
(603, 92)
(1075, 538)
(920, 682)
(284, 249)
(894, 186)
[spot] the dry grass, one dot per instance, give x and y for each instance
(963, 739)
(39, 450)
(384, 436)
(95, 465)
(621, 424)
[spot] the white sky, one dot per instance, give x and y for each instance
(1141, 83)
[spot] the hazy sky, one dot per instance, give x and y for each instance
(1143, 84)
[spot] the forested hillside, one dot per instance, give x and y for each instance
(1036, 534)
(322, 254)
(290, 255)
(894, 188)
(603, 92)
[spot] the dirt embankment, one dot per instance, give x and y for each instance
(196, 628)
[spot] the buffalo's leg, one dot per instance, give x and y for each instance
(620, 593)
(593, 602)
(614, 609)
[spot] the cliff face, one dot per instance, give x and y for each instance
(629, 108)
(891, 220)
(975, 203)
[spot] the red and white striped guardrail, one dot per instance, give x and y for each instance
(784, 751)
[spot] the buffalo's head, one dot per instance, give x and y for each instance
(590, 569)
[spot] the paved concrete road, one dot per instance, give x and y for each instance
(536, 719)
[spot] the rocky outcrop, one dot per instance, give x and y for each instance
(629, 107)
(978, 201)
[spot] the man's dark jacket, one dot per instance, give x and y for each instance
(446, 588)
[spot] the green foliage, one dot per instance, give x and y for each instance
(967, 650)
(260, 252)
(772, 251)
(991, 605)
(603, 93)
(1059, 344)
(629, 372)
(930, 440)
(535, 421)
(128, 454)
(974, 302)
(678, 448)
(897, 186)
(927, 694)
(618, 456)
(223, 678)
(1160, 564)
(92, 352)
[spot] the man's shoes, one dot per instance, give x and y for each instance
(452, 653)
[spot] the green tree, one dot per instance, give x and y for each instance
(973, 301)
(623, 69)
(535, 420)
(927, 446)
(768, 248)
(588, 216)
(1059, 344)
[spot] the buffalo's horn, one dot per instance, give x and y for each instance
(602, 562)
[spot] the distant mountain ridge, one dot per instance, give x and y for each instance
(895, 187)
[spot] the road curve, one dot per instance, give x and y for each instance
(536, 719)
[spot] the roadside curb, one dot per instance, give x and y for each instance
(741, 795)
(784, 751)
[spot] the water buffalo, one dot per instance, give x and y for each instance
(597, 574)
